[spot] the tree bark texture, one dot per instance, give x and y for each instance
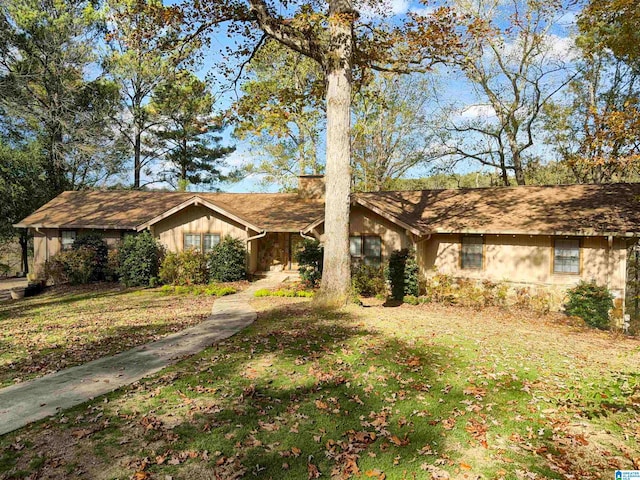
(336, 278)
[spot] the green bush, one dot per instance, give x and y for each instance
(227, 261)
(402, 274)
(411, 300)
(113, 265)
(309, 259)
(184, 268)
(4, 269)
(590, 302)
(94, 242)
(368, 281)
(139, 259)
(74, 266)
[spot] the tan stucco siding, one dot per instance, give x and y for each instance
(171, 230)
(526, 259)
(365, 222)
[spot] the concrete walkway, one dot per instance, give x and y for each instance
(27, 402)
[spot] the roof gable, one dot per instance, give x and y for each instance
(196, 201)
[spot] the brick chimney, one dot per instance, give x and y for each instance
(311, 186)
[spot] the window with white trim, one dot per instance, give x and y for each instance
(566, 256)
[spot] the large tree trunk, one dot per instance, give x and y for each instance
(336, 277)
(518, 169)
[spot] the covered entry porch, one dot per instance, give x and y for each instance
(276, 251)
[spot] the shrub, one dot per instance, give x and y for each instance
(74, 266)
(494, 294)
(227, 260)
(411, 299)
(94, 242)
(309, 259)
(139, 259)
(4, 269)
(590, 302)
(184, 268)
(54, 269)
(403, 274)
(113, 265)
(368, 281)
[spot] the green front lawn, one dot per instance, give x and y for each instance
(73, 325)
(396, 393)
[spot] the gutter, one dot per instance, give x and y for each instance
(255, 237)
(308, 237)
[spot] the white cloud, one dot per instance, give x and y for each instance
(423, 11)
(561, 48)
(471, 112)
(238, 158)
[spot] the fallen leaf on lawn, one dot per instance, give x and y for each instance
(322, 405)
(313, 471)
(400, 443)
(449, 423)
(465, 466)
(375, 474)
(81, 433)
(269, 427)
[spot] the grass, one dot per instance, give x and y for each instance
(73, 325)
(396, 393)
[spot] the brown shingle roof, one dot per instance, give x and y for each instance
(578, 209)
(127, 209)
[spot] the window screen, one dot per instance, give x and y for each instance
(472, 255)
(566, 256)
(372, 250)
(210, 241)
(192, 240)
(355, 246)
(68, 237)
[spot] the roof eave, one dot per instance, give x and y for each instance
(554, 233)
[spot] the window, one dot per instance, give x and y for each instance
(210, 241)
(67, 238)
(471, 254)
(192, 240)
(355, 247)
(566, 256)
(365, 249)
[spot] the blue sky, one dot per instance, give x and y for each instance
(454, 88)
